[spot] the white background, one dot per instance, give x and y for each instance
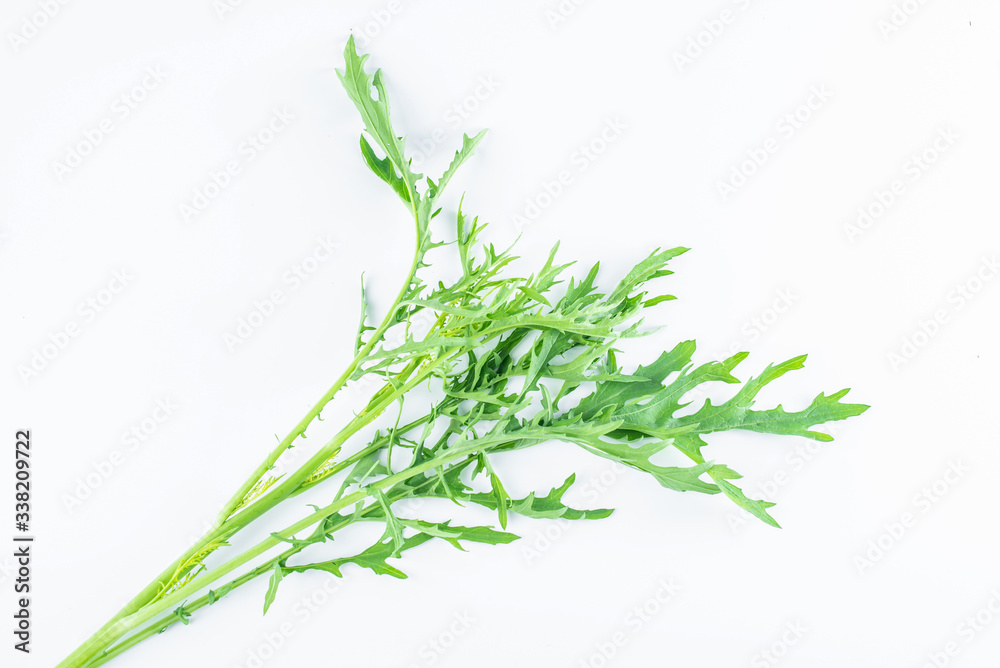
(856, 296)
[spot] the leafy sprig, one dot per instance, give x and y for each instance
(513, 362)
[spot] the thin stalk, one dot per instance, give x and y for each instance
(268, 463)
(225, 528)
(119, 625)
(162, 625)
(110, 631)
(209, 577)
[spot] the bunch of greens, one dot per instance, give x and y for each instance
(513, 362)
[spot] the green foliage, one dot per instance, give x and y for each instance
(506, 355)
(508, 351)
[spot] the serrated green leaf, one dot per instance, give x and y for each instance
(456, 534)
(374, 110)
(722, 475)
(277, 574)
(502, 498)
(362, 327)
(658, 300)
(681, 479)
(469, 145)
(534, 294)
(384, 170)
(374, 558)
(737, 414)
(550, 506)
(393, 528)
(648, 269)
(824, 408)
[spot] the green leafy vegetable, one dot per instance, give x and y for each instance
(506, 355)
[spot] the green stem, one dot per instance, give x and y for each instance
(123, 623)
(448, 456)
(112, 630)
(163, 624)
(208, 577)
(284, 488)
(139, 609)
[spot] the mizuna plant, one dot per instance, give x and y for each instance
(510, 362)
